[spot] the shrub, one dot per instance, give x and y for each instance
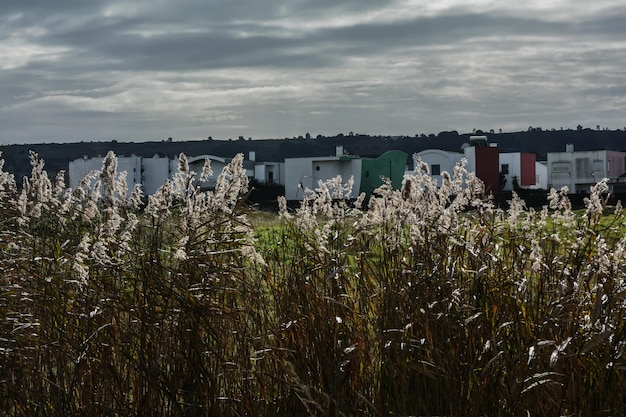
(427, 301)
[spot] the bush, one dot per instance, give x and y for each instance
(429, 301)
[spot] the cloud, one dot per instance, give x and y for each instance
(279, 68)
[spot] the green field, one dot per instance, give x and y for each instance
(423, 301)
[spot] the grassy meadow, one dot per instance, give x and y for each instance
(423, 301)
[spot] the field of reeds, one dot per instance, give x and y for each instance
(424, 301)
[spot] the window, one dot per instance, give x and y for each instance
(583, 168)
(435, 169)
(561, 172)
(597, 169)
(504, 169)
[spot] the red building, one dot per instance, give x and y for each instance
(528, 174)
(488, 167)
(484, 160)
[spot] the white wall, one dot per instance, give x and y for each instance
(262, 172)
(298, 172)
(514, 161)
(470, 155)
(446, 161)
(576, 170)
(79, 168)
(156, 171)
(196, 164)
(303, 173)
(132, 166)
(541, 171)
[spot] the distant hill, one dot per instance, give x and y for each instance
(540, 142)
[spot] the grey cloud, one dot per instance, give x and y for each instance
(40, 8)
(458, 69)
(440, 30)
(115, 45)
(613, 91)
(114, 42)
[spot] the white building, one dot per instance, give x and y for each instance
(132, 165)
(151, 173)
(154, 172)
(367, 173)
(269, 172)
(304, 173)
(481, 159)
(439, 161)
(542, 175)
(196, 164)
(497, 170)
(79, 168)
(523, 168)
(579, 170)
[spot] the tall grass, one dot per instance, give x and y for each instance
(421, 301)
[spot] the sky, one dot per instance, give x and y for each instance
(142, 70)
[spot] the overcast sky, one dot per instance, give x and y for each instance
(73, 70)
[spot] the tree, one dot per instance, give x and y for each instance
(515, 183)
